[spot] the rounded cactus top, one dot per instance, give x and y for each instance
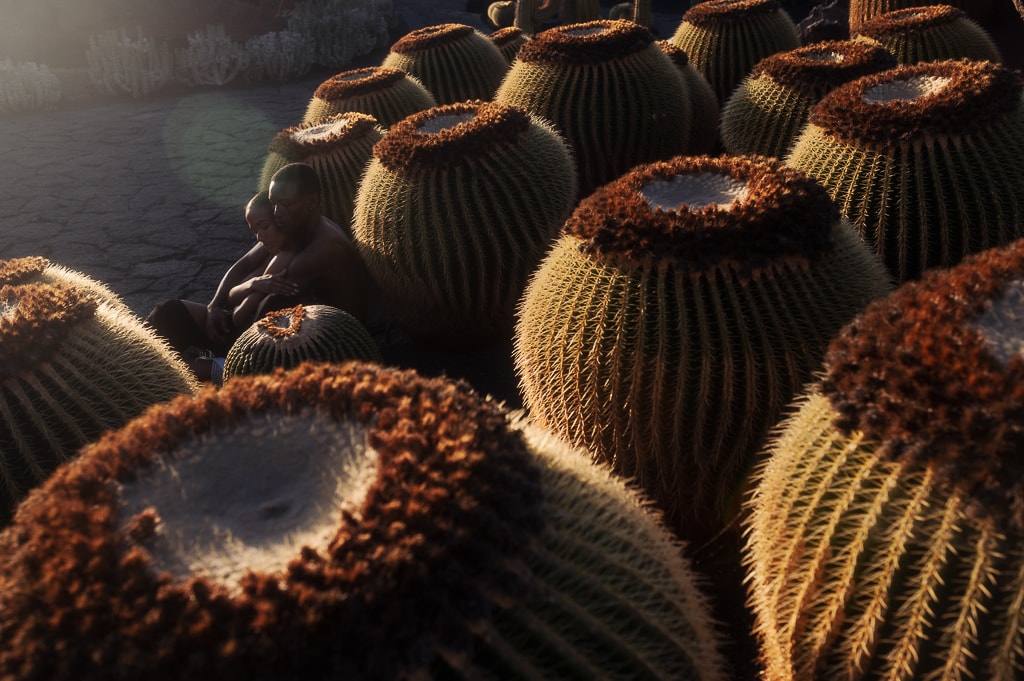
(299, 142)
(912, 102)
(712, 13)
(18, 270)
(330, 503)
(935, 374)
(701, 213)
(431, 37)
(675, 53)
(358, 82)
(449, 135)
(824, 66)
(909, 20)
(35, 319)
(506, 35)
(591, 42)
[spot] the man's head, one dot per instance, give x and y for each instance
(295, 195)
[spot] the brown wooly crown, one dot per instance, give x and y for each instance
(455, 498)
(294, 315)
(785, 215)
(714, 13)
(494, 126)
(34, 321)
(286, 145)
(676, 54)
(17, 270)
(504, 36)
(913, 373)
(910, 20)
(591, 42)
(977, 94)
(812, 69)
(430, 37)
(358, 82)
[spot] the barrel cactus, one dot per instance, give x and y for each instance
(508, 40)
(679, 311)
(609, 89)
(387, 94)
(343, 521)
(768, 110)
(862, 11)
(704, 109)
(455, 210)
(71, 367)
(923, 159)
(726, 38)
(886, 533)
(286, 338)
(37, 269)
(929, 33)
(338, 148)
(455, 62)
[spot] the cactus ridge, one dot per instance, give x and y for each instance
(285, 338)
(481, 549)
(725, 40)
(509, 40)
(588, 43)
(703, 109)
(454, 62)
(615, 114)
(451, 246)
(929, 33)
(862, 565)
(387, 94)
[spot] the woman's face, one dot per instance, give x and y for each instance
(263, 226)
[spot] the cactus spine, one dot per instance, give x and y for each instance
(671, 322)
(70, 368)
(724, 39)
(615, 96)
(508, 40)
(286, 338)
(454, 62)
(389, 95)
(455, 210)
(885, 533)
(929, 33)
(37, 269)
(402, 516)
(704, 110)
(768, 110)
(923, 159)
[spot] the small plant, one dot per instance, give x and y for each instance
(211, 58)
(27, 85)
(342, 29)
(120, 64)
(278, 56)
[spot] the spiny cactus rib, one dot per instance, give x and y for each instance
(726, 38)
(666, 339)
(508, 40)
(458, 546)
(768, 110)
(923, 160)
(615, 96)
(454, 62)
(704, 110)
(885, 528)
(929, 33)
(455, 210)
(70, 368)
(387, 94)
(285, 338)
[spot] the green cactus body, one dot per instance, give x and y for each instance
(679, 311)
(724, 39)
(338, 148)
(508, 40)
(924, 160)
(343, 521)
(704, 112)
(286, 338)
(37, 269)
(387, 94)
(455, 210)
(454, 62)
(615, 96)
(930, 33)
(884, 538)
(862, 11)
(71, 367)
(766, 113)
